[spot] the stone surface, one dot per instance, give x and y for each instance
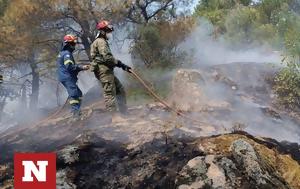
(256, 169)
(191, 82)
(221, 172)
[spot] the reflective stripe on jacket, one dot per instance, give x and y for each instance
(66, 66)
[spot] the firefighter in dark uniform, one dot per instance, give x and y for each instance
(67, 71)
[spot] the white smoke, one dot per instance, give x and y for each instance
(246, 69)
(210, 51)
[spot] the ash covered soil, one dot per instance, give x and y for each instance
(233, 143)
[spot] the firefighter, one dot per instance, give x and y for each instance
(67, 73)
(1, 78)
(103, 64)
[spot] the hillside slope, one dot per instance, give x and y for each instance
(154, 148)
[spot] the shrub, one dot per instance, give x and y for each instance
(287, 87)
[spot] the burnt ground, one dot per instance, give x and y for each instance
(93, 162)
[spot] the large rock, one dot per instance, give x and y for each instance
(208, 171)
(242, 168)
(258, 171)
(189, 92)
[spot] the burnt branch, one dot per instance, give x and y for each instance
(162, 8)
(142, 7)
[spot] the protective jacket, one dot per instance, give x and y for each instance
(67, 69)
(101, 54)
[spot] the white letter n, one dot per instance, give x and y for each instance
(40, 173)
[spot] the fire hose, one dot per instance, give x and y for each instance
(159, 99)
(52, 115)
(150, 91)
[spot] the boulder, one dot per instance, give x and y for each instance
(189, 92)
(242, 168)
(257, 170)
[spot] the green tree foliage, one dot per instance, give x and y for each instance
(287, 82)
(157, 43)
(287, 87)
(217, 10)
(249, 22)
(214, 10)
(240, 25)
(3, 5)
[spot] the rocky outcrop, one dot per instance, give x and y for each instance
(189, 93)
(243, 168)
(259, 173)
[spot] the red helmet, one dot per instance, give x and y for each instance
(70, 38)
(105, 26)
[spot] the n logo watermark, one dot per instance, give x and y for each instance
(35, 171)
(40, 174)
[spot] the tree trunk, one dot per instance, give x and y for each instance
(34, 98)
(2, 105)
(87, 45)
(23, 103)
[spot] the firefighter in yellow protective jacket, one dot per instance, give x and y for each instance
(103, 64)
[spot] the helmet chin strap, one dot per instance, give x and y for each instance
(101, 33)
(98, 34)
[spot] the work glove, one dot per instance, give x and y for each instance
(123, 66)
(85, 67)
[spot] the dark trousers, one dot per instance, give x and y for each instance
(75, 94)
